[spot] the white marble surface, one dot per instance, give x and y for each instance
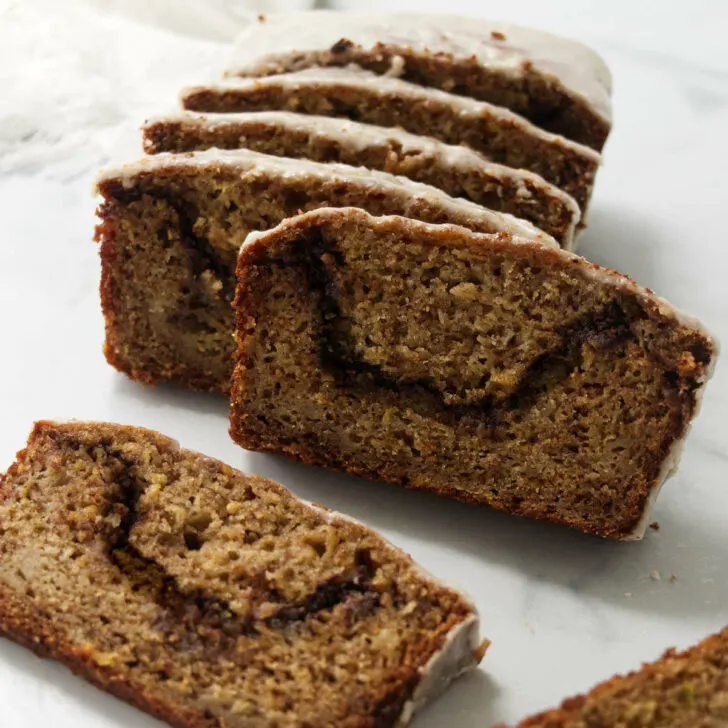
(563, 610)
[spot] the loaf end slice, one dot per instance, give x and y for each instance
(487, 368)
(214, 599)
(557, 83)
(680, 689)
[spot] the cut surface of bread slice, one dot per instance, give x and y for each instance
(171, 227)
(490, 369)
(214, 599)
(497, 133)
(456, 170)
(681, 690)
(557, 83)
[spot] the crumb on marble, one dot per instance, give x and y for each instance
(655, 575)
(655, 526)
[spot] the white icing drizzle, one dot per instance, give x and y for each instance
(503, 47)
(354, 77)
(603, 276)
(252, 163)
(455, 657)
(360, 136)
(672, 461)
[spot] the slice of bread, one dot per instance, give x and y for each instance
(488, 368)
(214, 599)
(680, 690)
(456, 170)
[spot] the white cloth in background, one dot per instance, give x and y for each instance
(78, 77)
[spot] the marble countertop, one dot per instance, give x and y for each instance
(564, 611)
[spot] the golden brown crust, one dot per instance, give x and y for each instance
(322, 457)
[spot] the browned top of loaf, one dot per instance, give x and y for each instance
(208, 597)
(680, 690)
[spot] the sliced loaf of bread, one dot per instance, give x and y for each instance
(558, 83)
(497, 133)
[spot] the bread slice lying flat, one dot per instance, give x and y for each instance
(680, 690)
(488, 368)
(214, 599)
